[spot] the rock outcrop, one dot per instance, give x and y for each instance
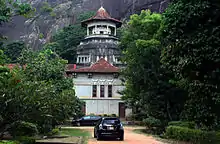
(38, 30)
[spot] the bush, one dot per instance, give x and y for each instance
(155, 125)
(113, 115)
(92, 114)
(25, 140)
(182, 124)
(9, 142)
(184, 134)
(192, 135)
(105, 115)
(54, 132)
(152, 122)
(21, 128)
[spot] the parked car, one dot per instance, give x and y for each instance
(86, 121)
(109, 127)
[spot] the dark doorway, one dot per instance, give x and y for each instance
(84, 108)
(121, 110)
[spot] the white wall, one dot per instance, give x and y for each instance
(83, 85)
(102, 106)
(97, 105)
(83, 90)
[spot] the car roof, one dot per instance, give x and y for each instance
(110, 118)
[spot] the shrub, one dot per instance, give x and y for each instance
(9, 142)
(105, 115)
(182, 124)
(25, 140)
(113, 115)
(184, 134)
(154, 125)
(92, 114)
(54, 132)
(192, 135)
(21, 128)
(152, 122)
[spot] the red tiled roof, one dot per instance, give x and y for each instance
(71, 67)
(101, 66)
(102, 14)
(11, 66)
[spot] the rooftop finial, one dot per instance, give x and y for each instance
(101, 3)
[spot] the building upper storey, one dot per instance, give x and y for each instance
(101, 24)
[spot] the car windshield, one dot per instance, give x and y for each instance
(111, 121)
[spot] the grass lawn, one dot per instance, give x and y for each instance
(7, 142)
(74, 132)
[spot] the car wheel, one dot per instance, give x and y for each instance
(95, 134)
(98, 137)
(78, 123)
(121, 137)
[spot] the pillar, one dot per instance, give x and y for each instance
(115, 31)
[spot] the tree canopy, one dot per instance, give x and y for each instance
(147, 83)
(191, 51)
(65, 41)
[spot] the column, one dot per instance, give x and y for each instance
(107, 30)
(87, 31)
(115, 31)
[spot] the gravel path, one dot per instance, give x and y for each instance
(130, 138)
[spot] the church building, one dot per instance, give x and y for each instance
(96, 74)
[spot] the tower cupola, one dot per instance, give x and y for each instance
(101, 24)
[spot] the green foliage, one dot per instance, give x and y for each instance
(113, 115)
(75, 132)
(105, 115)
(53, 14)
(3, 57)
(39, 94)
(53, 132)
(25, 140)
(148, 90)
(22, 128)
(67, 39)
(192, 135)
(46, 7)
(13, 50)
(184, 134)
(10, 8)
(191, 42)
(41, 35)
(8, 142)
(182, 124)
(152, 122)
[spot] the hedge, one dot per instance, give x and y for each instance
(192, 135)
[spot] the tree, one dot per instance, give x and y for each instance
(191, 51)
(67, 39)
(148, 89)
(38, 93)
(13, 50)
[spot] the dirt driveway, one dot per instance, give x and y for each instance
(130, 138)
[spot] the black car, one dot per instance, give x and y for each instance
(109, 127)
(86, 121)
